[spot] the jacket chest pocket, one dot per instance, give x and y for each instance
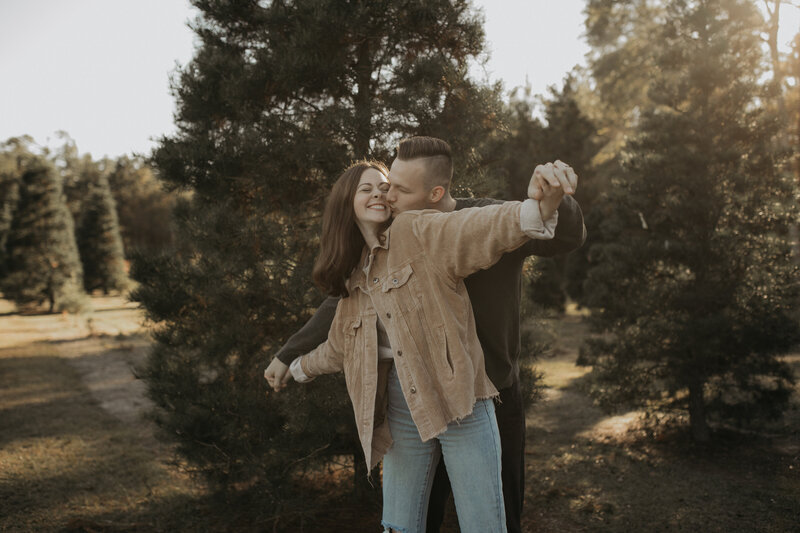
(402, 286)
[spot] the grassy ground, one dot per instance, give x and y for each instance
(587, 471)
(76, 454)
(69, 458)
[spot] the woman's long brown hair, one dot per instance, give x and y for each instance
(341, 241)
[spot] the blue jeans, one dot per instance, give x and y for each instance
(471, 451)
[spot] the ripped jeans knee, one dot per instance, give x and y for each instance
(389, 528)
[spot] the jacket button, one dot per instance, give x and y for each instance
(388, 315)
(400, 353)
(375, 280)
(394, 281)
(413, 390)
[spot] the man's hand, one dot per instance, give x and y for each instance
(549, 184)
(277, 375)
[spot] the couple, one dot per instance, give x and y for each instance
(411, 344)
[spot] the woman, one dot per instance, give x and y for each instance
(405, 337)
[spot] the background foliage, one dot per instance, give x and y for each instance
(684, 130)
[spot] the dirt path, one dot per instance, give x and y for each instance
(588, 471)
(104, 346)
(76, 454)
(565, 412)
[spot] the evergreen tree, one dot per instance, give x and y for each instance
(11, 157)
(571, 137)
(144, 208)
(71, 167)
(517, 154)
(43, 263)
(566, 134)
(693, 281)
(623, 66)
(279, 98)
(98, 237)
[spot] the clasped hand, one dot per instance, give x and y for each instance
(549, 184)
(277, 375)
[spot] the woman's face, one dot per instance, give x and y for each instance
(369, 202)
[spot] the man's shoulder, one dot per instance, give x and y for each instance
(412, 214)
(463, 203)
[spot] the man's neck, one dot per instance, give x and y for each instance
(446, 204)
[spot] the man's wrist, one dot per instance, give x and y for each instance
(532, 222)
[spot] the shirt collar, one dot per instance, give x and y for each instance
(359, 278)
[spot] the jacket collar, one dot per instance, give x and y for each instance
(359, 277)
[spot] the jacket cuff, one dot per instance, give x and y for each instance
(297, 372)
(530, 219)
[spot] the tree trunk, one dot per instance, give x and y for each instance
(772, 41)
(697, 412)
(362, 100)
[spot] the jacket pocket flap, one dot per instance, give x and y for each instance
(353, 325)
(398, 278)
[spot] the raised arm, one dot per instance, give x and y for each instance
(466, 241)
(570, 230)
(462, 242)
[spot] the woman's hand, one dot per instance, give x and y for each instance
(277, 375)
(549, 184)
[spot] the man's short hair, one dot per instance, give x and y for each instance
(436, 152)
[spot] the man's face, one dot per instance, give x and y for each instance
(407, 188)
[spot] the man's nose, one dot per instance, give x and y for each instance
(391, 196)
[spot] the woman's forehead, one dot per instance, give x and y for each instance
(372, 175)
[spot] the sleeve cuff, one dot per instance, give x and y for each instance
(297, 372)
(530, 219)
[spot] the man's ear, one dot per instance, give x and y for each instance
(436, 194)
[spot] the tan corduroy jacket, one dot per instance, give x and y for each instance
(414, 282)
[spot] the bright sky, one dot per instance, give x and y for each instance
(99, 69)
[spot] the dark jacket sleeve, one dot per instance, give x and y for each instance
(570, 230)
(312, 334)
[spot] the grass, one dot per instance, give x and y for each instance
(588, 471)
(72, 458)
(66, 462)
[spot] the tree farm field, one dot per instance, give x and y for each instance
(77, 452)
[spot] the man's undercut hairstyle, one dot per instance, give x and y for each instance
(438, 158)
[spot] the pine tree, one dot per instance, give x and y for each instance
(279, 98)
(144, 208)
(566, 134)
(43, 263)
(693, 280)
(10, 160)
(98, 236)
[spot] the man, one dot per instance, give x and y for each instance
(420, 178)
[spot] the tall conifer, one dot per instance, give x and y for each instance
(98, 236)
(693, 280)
(9, 197)
(279, 98)
(43, 263)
